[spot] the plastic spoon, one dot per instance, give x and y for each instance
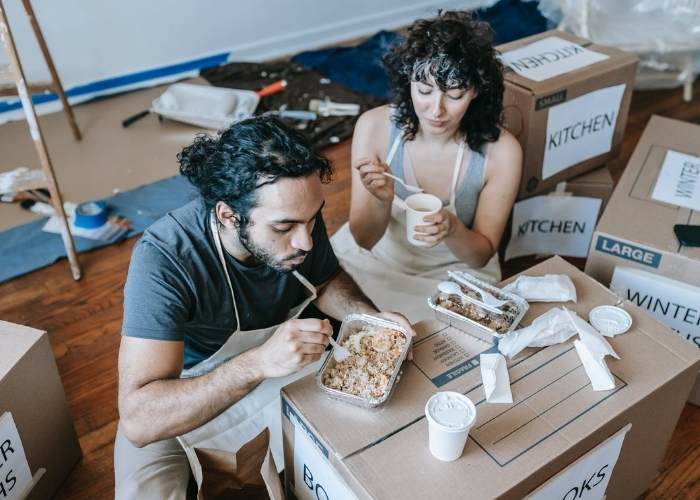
(340, 353)
(454, 289)
(486, 297)
(410, 188)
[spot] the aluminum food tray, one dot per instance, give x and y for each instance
(471, 326)
(351, 324)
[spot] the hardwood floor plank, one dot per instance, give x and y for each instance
(84, 322)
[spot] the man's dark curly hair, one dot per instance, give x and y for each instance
(458, 52)
(246, 156)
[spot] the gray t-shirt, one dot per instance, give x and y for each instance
(176, 288)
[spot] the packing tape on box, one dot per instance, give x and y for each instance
(90, 215)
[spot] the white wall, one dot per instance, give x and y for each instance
(97, 40)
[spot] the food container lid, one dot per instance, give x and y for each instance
(610, 320)
(450, 411)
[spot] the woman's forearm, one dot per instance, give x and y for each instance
(369, 222)
(470, 247)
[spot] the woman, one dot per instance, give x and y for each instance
(441, 133)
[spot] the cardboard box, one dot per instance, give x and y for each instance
(31, 390)
(597, 183)
(634, 246)
(572, 122)
(555, 421)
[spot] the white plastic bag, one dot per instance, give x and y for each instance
(664, 33)
(547, 288)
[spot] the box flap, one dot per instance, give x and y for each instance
(600, 177)
(15, 341)
(336, 422)
(632, 214)
(617, 59)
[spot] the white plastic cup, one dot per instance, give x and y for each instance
(418, 206)
(450, 415)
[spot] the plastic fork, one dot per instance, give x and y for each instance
(409, 187)
(340, 353)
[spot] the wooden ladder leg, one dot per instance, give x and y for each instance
(58, 86)
(39, 144)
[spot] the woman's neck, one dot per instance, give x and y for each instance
(440, 140)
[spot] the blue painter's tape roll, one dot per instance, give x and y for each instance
(90, 215)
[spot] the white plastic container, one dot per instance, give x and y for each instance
(206, 106)
(450, 415)
(610, 320)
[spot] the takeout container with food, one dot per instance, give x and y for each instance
(369, 375)
(469, 314)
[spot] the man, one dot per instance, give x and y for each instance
(212, 304)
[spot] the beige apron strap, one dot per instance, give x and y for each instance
(308, 285)
(394, 148)
(398, 202)
(455, 176)
(220, 251)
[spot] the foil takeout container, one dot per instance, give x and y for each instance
(352, 324)
(513, 312)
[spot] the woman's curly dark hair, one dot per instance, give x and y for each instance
(458, 52)
(246, 156)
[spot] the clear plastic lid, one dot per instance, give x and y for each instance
(610, 320)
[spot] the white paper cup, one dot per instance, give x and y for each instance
(418, 206)
(450, 415)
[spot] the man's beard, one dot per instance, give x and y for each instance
(264, 256)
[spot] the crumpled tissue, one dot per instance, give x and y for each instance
(558, 325)
(553, 327)
(494, 375)
(592, 349)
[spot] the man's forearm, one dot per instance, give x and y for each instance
(170, 407)
(341, 296)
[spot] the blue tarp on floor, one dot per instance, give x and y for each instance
(26, 248)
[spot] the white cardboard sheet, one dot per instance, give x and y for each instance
(679, 181)
(580, 129)
(553, 225)
(550, 57)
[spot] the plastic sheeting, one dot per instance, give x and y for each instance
(665, 33)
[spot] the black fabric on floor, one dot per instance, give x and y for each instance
(303, 84)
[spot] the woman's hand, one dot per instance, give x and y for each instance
(437, 227)
(381, 186)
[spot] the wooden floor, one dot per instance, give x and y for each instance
(84, 320)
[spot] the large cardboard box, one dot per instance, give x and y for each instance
(31, 391)
(634, 248)
(566, 100)
(333, 450)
